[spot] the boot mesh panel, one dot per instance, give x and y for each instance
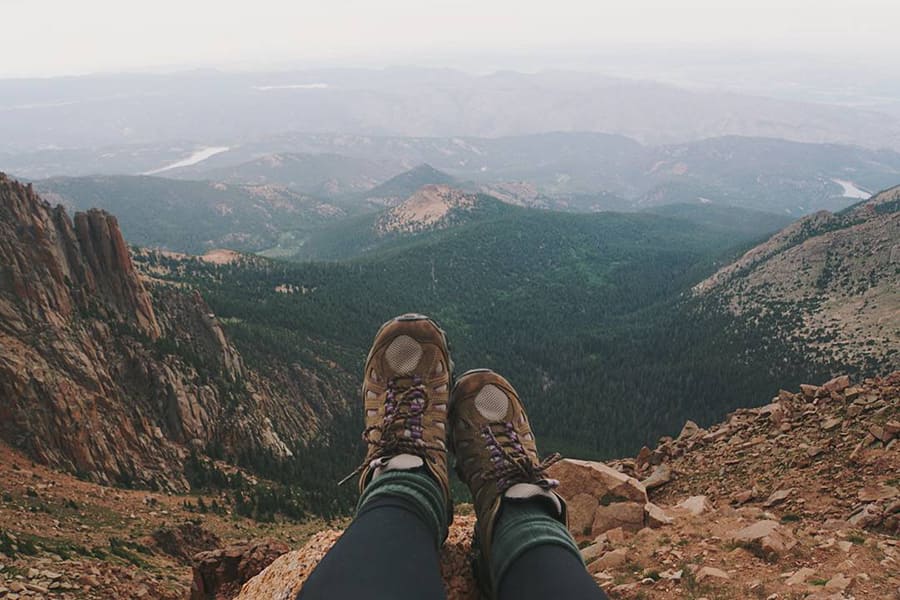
(403, 354)
(492, 403)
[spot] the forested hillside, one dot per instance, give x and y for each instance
(433, 207)
(194, 216)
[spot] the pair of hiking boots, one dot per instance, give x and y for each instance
(416, 414)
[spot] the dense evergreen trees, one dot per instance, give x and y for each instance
(590, 316)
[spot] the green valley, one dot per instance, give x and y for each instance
(587, 314)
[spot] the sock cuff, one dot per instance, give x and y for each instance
(418, 491)
(521, 527)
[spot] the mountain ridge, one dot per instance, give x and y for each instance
(830, 278)
(431, 207)
(402, 186)
(194, 216)
(411, 102)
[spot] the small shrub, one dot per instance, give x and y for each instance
(126, 550)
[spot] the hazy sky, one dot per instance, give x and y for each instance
(51, 37)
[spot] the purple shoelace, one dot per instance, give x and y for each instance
(510, 463)
(401, 429)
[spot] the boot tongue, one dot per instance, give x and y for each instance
(527, 491)
(401, 462)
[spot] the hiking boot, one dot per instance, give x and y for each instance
(406, 392)
(497, 457)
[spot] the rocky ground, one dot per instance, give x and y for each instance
(65, 538)
(796, 499)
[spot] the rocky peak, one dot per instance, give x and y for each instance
(431, 207)
(54, 267)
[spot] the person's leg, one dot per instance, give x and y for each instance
(534, 557)
(546, 572)
(521, 522)
(391, 550)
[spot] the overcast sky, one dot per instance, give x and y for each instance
(53, 37)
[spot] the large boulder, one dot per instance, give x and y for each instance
(598, 480)
(765, 537)
(284, 578)
(219, 574)
(660, 476)
(696, 505)
(581, 509)
(627, 515)
(838, 384)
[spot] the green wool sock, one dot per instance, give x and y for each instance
(523, 525)
(418, 490)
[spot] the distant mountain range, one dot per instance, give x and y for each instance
(581, 171)
(564, 171)
(324, 175)
(227, 109)
(196, 216)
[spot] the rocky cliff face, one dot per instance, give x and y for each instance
(54, 268)
(117, 381)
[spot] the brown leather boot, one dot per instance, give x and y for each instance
(406, 393)
(496, 455)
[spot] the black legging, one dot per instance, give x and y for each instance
(388, 553)
(549, 573)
